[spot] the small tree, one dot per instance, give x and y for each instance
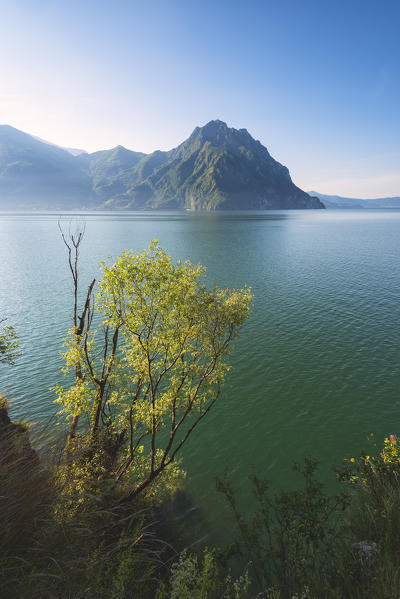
(73, 242)
(9, 344)
(160, 366)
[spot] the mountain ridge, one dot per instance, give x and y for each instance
(36, 174)
(336, 201)
(215, 168)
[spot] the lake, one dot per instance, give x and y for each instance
(315, 369)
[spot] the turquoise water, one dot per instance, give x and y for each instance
(316, 367)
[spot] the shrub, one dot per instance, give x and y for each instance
(289, 542)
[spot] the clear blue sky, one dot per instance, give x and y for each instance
(317, 81)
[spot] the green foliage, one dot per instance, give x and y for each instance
(373, 521)
(166, 344)
(9, 345)
(64, 533)
(193, 580)
(104, 554)
(375, 481)
(55, 544)
(371, 472)
(81, 479)
(289, 541)
(3, 403)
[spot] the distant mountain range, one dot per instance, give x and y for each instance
(340, 202)
(215, 168)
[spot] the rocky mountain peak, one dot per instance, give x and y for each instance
(218, 133)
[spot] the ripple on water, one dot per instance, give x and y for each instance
(316, 366)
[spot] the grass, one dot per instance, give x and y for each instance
(59, 540)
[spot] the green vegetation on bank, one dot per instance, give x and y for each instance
(151, 371)
(146, 359)
(8, 344)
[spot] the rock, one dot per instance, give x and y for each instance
(15, 446)
(367, 551)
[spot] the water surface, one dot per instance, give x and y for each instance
(316, 367)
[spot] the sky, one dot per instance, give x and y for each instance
(316, 81)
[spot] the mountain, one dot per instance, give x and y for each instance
(215, 168)
(111, 171)
(341, 202)
(35, 174)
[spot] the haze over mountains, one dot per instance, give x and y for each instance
(216, 168)
(331, 201)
